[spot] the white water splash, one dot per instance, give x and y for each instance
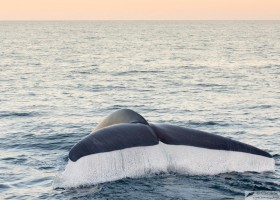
(110, 166)
(141, 161)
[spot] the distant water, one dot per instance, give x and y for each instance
(59, 79)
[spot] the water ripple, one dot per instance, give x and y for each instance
(59, 79)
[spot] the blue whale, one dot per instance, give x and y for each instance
(124, 144)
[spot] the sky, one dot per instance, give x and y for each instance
(139, 9)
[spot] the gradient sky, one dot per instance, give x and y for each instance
(139, 9)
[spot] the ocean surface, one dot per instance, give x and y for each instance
(59, 79)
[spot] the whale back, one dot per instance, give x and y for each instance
(121, 116)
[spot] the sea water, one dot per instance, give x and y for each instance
(59, 79)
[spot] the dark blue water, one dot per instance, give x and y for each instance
(59, 79)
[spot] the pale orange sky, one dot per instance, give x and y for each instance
(139, 9)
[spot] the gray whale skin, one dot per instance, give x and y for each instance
(126, 129)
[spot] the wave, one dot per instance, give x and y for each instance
(16, 114)
(124, 73)
(208, 123)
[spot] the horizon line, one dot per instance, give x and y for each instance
(139, 19)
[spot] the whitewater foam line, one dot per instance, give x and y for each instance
(140, 161)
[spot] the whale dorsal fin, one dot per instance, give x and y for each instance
(121, 116)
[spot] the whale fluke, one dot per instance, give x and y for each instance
(175, 135)
(124, 144)
(112, 138)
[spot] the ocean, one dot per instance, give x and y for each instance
(58, 79)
